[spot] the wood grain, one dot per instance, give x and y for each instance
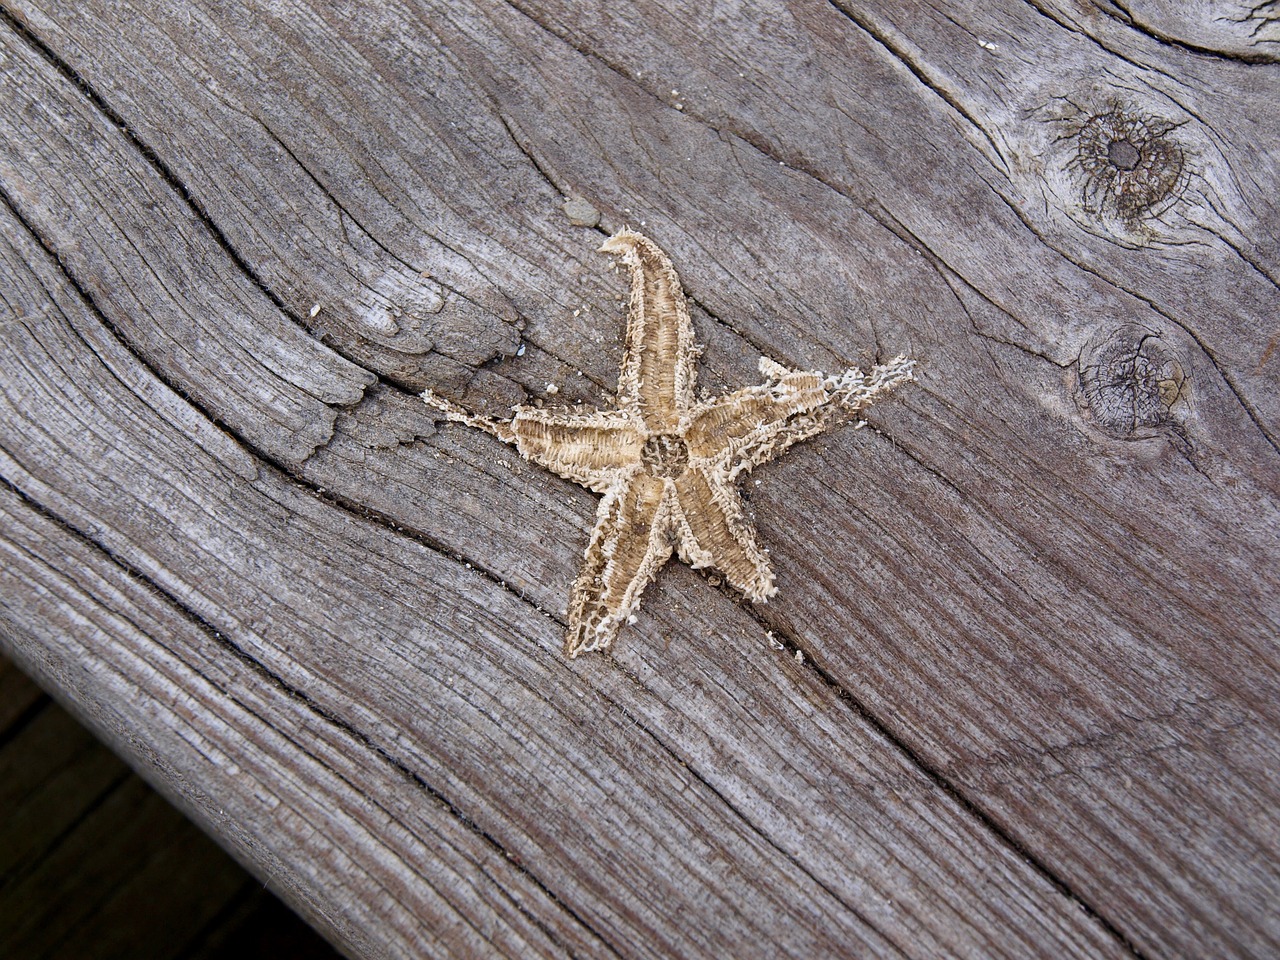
(1018, 693)
(93, 864)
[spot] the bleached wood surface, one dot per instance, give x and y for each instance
(1018, 693)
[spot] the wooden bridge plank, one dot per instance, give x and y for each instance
(1030, 629)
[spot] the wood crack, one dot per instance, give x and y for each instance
(747, 821)
(343, 212)
(1227, 379)
(1174, 43)
(1054, 18)
(224, 641)
(873, 207)
(327, 496)
(947, 272)
(518, 142)
(126, 343)
(174, 182)
(957, 794)
(67, 72)
(896, 50)
(162, 169)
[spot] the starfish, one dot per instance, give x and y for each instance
(665, 461)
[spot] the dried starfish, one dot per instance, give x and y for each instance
(666, 462)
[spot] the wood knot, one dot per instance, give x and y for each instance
(1129, 165)
(1123, 155)
(1130, 381)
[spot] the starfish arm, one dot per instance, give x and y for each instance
(595, 449)
(629, 545)
(658, 372)
(854, 389)
(713, 531)
(756, 423)
(752, 426)
(457, 413)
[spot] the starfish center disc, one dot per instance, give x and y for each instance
(665, 454)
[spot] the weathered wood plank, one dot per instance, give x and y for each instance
(1061, 621)
(94, 864)
(586, 793)
(291, 816)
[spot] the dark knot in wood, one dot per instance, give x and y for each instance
(1129, 383)
(1129, 164)
(665, 454)
(1123, 154)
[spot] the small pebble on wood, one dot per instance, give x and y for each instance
(581, 213)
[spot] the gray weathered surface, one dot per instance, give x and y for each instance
(93, 864)
(1037, 606)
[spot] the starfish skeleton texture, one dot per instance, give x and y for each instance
(665, 461)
